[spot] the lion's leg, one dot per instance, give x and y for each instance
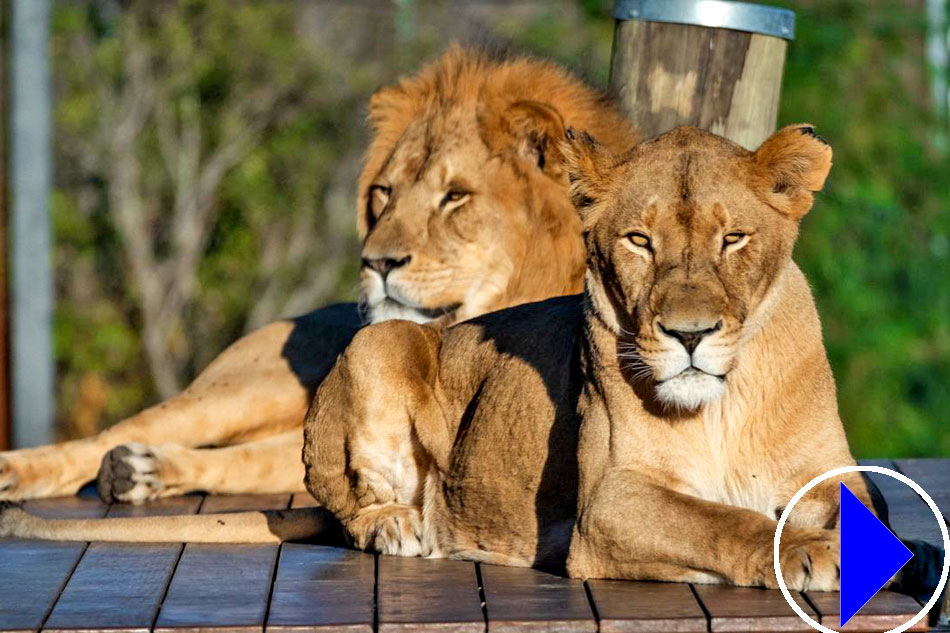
(258, 387)
(134, 473)
(365, 437)
(630, 528)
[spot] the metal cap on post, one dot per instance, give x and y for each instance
(708, 63)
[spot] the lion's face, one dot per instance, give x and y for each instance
(686, 236)
(463, 203)
(445, 221)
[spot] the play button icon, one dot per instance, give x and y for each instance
(870, 555)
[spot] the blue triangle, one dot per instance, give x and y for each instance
(870, 555)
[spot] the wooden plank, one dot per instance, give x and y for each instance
(523, 599)
(34, 573)
(933, 475)
(223, 586)
(319, 588)
(747, 609)
(909, 515)
(416, 594)
(119, 586)
(883, 612)
(646, 607)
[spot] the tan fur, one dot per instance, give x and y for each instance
(539, 435)
(467, 119)
(550, 434)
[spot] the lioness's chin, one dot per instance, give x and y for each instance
(690, 389)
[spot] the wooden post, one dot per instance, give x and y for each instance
(708, 63)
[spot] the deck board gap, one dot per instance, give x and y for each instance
(273, 574)
(481, 592)
(811, 603)
(592, 604)
(702, 606)
(66, 580)
(171, 576)
(376, 592)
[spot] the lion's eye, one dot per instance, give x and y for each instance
(378, 198)
(639, 239)
(453, 196)
(735, 238)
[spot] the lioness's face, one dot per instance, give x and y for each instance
(686, 236)
(448, 219)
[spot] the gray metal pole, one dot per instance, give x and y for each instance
(32, 278)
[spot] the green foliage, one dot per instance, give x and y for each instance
(876, 247)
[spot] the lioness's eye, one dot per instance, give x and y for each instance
(639, 239)
(730, 239)
(454, 195)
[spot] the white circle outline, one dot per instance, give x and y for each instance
(855, 469)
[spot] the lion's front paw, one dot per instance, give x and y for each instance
(810, 560)
(392, 529)
(131, 473)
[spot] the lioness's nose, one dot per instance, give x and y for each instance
(691, 338)
(384, 265)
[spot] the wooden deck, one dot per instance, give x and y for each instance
(298, 587)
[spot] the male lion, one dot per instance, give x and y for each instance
(463, 208)
(652, 428)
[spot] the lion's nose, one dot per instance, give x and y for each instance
(384, 265)
(691, 338)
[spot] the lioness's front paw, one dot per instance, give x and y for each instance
(810, 560)
(392, 529)
(130, 473)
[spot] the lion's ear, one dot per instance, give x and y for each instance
(536, 128)
(792, 165)
(588, 164)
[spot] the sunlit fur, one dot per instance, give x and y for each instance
(485, 127)
(484, 124)
(685, 276)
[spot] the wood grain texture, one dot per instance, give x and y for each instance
(908, 514)
(33, 573)
(883, 612)
(645, 607)
(415, 594)
(744, 609)
(724, 81)
(933, 475)
(319, 588)
(119, 586)
(523, 599)
(223, 586)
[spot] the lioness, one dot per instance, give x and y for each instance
(463, 208)
(652, 428)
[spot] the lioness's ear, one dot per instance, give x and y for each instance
(793, 164)
(587, 163)
(537, 127)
